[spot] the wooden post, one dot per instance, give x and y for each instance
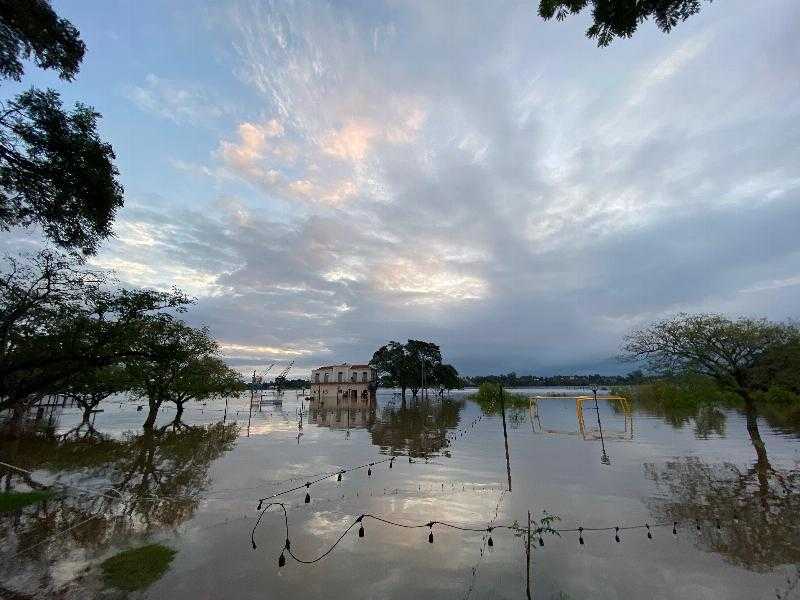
(528, 560)
(505, 436)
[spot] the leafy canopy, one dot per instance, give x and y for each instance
(30, 29)
(713, 345)
(621, 18)
(60, 319)
(55, 171)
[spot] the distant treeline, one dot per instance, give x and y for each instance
(514, 380)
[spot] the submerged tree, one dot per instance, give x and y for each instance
(621, 18)
(408, 365)
(177, 363)
(204, 378)
(728, 352)
(55, 171)
(60, 319)
(714, 346)
(91, 386)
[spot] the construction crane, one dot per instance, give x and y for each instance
(282, 376)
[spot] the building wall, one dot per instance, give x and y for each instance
(335, 385)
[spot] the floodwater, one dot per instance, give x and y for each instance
(196, 488)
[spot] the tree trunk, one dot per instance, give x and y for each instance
(762, 467)
(178, 411)
(152, 413)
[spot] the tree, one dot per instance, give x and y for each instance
(168, 349)
(621, 18)
(32, 30)
(204, 378)
(446, 377)
(91, 386)
(55, 172)
(778, 369)
(423, 359)
(392, 365)
(727, 351)
(401, 365)
(59, 319)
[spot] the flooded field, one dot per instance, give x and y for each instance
(195, 488)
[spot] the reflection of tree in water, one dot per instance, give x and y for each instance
(708, 419)
(419, 428)
(764, 500)
(758, 509)
(141, 483)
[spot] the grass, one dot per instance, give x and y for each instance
(12, 501)
(488, 398)
(137, 568)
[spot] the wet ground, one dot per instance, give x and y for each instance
(196, 487)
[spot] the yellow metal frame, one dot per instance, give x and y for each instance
(583, 431)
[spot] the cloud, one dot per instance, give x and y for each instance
(472, 176)
(180, 102)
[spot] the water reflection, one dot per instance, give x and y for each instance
(119, 487)
(419, 428)
(343, 413)
(760, 511)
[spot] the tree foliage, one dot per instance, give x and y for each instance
(55, 171)
(167, 352)
(402, 365)
(32, 30)
(620, 18)
(726, 350)
(59, 319)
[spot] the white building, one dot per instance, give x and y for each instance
(344, 384)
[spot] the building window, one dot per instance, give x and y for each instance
(364, 376)
(326, 378)
(316, 377)
(340, 377)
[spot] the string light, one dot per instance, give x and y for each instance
(323, 477)
(580, 530)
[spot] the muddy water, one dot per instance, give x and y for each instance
(195, 488)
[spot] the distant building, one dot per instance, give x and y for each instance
(344, 385)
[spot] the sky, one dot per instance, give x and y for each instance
(327, 176)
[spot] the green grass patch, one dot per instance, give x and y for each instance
(488, 398)
(137, 568)
(11, 501)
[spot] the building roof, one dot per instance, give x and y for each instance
(358, 366)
